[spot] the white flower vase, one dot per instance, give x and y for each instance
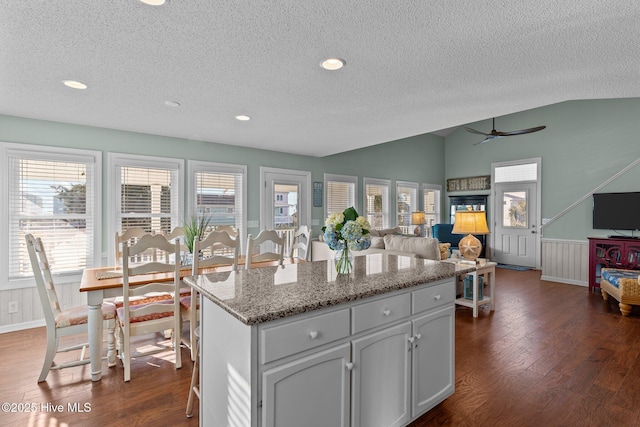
(344, 261)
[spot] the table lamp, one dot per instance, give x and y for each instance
(470, 223)
(418, 219)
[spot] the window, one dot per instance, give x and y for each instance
(431, 205)
(376, 196)
(218, 190)
(52, 194)
(407, 202)
(340, 193)
(145, 192)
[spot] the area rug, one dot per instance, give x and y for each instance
(513, 267)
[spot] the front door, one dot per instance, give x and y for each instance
(515, 226)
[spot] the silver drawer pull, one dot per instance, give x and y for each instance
(418, 336)
(349, 366)
(313, 335)
(386, 312)
(437, 297)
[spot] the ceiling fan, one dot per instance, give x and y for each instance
(494, 134)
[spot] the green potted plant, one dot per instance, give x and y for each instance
(195, 227)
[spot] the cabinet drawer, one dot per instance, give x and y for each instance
(294, 337)
(376, 313)
(434, 296)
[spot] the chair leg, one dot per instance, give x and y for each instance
(177, 340)
(194, 388)
(52, 349)
(111, 344)
(192, 337)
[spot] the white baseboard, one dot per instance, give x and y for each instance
(564, 280)
(21, 326)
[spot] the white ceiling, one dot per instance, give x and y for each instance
(413, 67)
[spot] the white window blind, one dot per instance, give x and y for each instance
(376, 192)
(218, 191)
(340, 193)
(517, 173)
(146, 198)
(52, 196)
(407, 202)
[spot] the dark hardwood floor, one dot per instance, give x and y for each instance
(550, 355)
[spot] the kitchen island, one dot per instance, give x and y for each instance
(301, 345)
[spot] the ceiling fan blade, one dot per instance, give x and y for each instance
(476, 131)
(523, 131)
(488, 138)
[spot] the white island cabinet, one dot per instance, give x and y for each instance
(372, 349)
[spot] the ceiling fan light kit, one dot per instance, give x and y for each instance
(494, 134)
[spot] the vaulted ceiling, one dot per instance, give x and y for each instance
(187, 68)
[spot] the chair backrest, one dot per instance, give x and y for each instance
(177, 233)
(44, 281)
(301, 244)
(264, 236)
(229, 229)
(155, 242)
(130, 236)
(218, 248)
(442, 232)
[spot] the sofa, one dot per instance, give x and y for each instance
(389, 241)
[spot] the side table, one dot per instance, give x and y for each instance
(488, 271)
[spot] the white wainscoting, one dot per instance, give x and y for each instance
(565, 261)
(30, 313)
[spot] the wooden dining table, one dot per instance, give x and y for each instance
(106, 282)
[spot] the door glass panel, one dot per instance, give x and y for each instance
(286, 211)
(514, 211)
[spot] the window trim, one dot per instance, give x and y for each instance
(348, 179)
(135, 160)
(196, 166)
(32, 151)
(383, 183)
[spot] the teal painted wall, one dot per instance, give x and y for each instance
(417, 159)
(585, 143)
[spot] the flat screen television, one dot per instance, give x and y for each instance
(616, 211)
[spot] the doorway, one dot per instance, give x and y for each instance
(284, 201)
(516, 213)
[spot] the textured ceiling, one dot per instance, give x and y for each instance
(413, 67)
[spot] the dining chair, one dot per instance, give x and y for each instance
(131, 236)
(301, 244)
(229, 229)
(158, 316)
(264, 236)
(178, 233)
(61, 322)
(217, 249)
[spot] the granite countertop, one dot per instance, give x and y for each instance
(268, 293)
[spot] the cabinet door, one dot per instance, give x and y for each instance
(381, 378)
(312, 391)
(433, 363)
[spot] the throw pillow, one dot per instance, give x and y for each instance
(444, 250)
(422, 247)
(377, 242)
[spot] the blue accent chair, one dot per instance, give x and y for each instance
(442, 232)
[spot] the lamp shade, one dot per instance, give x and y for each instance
(470, 222)
(418, 218)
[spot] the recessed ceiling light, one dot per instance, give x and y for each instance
(332, 64)
(172, 103)
(74, 84)
(243, 118)
(154, 2)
